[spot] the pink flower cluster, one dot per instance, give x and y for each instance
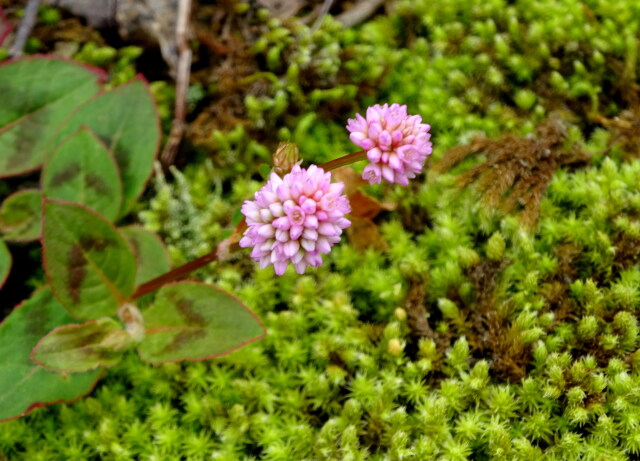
(295, 219)
(397, 144)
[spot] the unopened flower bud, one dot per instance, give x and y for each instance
(285, 158)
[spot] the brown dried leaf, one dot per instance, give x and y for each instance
(366, 206)
(363, 233)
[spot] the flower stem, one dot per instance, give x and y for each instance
(189, 267)
(344, 161)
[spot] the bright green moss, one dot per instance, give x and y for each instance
(341, 374)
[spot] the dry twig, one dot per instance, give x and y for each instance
(324, 9)
(26, 26)
(182, 84)
(360, 11)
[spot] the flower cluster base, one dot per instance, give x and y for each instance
(295, 219)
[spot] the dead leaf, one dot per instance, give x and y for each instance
(363, 234)
(366, 206)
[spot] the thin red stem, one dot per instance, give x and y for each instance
(185, 269)
(175, 274)
(344, 161)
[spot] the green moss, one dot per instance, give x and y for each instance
(534, 348)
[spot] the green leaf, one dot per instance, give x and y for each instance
(126, 120)
(37, 95)
(90, 266)
(5, 262)
(265, 171)
(150, 253)
(82, 170)
(21, 216)
(24, 385)
(194, 321)
(82, 347)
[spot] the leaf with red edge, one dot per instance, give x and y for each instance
(195, 321)
(151, 255)
(24, 385)
(126, 120)
(5, 262)
(21, 216)
(74, 348)
(38, 93)
(81, 170)
(89, 265)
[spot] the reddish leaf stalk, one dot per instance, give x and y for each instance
(344, 161)
(175, 274)
(186, 269)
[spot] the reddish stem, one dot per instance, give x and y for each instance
(344, 161)
(175, 274)
(186, 269)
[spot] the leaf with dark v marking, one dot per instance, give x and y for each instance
(126, 120)
(82, 170)
(195, 321)
(37, 95)
(89, 264)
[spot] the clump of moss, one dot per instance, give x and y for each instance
(471, 336)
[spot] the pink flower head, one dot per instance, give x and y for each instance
(397, 144)
(295, 219)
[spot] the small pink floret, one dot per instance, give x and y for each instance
(396, 143)
(295, 219)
